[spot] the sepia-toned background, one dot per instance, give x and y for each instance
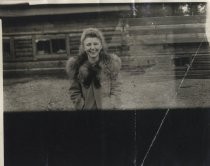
(165, 55)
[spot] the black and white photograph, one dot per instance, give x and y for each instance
(144, 55)
(106, 84)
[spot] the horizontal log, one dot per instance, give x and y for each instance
(35, 10)
(202, 62)
(76, 36)
(25, 49)
(166, 20)
(201, 68)
(67, 30)
(25, 46)
(35, 64)
(169, 38)
(22, 44)
(167, 29)
(23, 54)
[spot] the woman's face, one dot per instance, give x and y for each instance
(92, 46)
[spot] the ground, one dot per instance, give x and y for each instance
(139, 91)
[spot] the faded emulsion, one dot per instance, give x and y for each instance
(164, 80)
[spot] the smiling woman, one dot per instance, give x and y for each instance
(94, 74)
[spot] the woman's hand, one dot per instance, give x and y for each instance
(80, 104)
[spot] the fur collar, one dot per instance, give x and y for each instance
(70, 69)
(113, 66)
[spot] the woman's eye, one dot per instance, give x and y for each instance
(88, 44)
(96, 44)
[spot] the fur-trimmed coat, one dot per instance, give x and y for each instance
(106, 91)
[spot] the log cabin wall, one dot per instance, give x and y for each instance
(166, 45)
(46, 42)
(160, 44)
(58, 27)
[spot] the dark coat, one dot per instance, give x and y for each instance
(107, 96)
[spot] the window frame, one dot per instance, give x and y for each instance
(51, 55)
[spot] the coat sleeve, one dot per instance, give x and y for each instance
(116, 92)
(75, 89)
(75, 92)
(116, 84)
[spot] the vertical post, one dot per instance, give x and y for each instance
(34, 47)
(51, 49)
(1, 102)
(68, 45)
(12, 48)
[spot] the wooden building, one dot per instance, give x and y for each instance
(40, 38)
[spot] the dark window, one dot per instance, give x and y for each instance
(50, 46)
(43, 46)
(182, 61)
(58, 46)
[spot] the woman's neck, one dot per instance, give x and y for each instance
(93, 60)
